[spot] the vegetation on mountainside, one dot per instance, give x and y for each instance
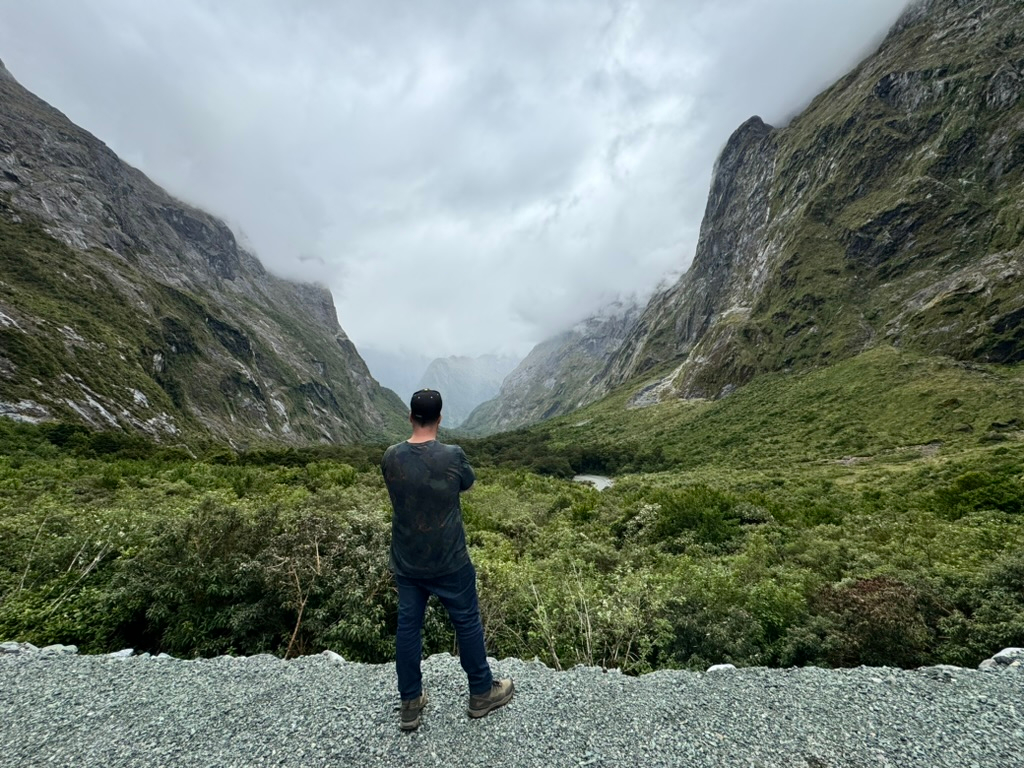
(43, 279)
(769, 537)
(91, 329)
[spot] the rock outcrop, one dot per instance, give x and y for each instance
(123, 307)
(1008, 659)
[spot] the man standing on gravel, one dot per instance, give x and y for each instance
(429, 557)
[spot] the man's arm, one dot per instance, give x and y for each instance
(466, 475)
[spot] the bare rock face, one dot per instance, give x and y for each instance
(127, 308)
(889, 212)
(728, 272)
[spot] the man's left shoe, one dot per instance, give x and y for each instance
(411, 710)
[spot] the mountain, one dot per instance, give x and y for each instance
(465, 382)
(124, 308)
(890, 212)
(558, 374)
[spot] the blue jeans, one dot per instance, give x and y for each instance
(457, 593)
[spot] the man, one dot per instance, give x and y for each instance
(429, 557)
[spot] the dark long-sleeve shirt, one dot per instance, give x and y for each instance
(424, 481)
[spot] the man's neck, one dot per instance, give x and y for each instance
(422, 435)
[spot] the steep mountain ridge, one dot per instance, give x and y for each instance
(557, 376)
(124, 307)
(465, 382)
(889, 212)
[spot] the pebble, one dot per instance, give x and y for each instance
(1008, 658)
(60, 650)
(14, 649)
(1009, 655)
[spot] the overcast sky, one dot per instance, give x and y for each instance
(466, 176)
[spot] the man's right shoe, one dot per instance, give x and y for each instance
(499, 695)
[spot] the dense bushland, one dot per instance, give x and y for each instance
(111, 542)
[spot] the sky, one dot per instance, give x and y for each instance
(466, 177)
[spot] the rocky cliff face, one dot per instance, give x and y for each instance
(889, 212)
(558, 375)
(123, 307)
(465, 382)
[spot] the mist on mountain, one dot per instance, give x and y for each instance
(497, 171)
(466, 382)
(398, 371)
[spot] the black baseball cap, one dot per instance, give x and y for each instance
(426, 405)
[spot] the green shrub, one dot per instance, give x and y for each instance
(707, 513)
(875, 621)
(329, 474)
(987, 613)
(981, 490)
(285, 551)
(199, 589)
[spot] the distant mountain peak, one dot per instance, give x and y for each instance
(558, 375)
(464, 382)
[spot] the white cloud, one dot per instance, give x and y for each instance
(467, 177)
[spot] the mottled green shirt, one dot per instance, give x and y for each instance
(424, 481)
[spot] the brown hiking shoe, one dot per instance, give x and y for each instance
(411, 710)
(499, 695)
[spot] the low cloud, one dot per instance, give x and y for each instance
(466, 177)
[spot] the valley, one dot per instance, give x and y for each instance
(806, 519)
(814, 438)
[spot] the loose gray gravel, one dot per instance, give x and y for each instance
(97, 711)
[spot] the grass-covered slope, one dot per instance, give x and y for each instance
(884, 405)
(881, 403)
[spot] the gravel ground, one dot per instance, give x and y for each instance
(100, 711)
